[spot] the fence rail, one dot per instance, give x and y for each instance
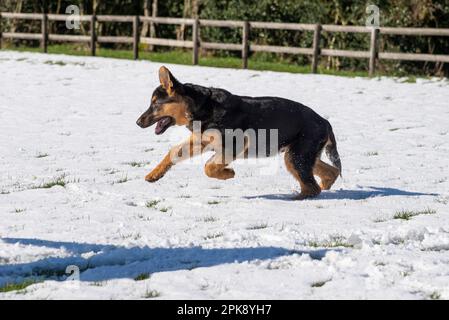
(245, 47)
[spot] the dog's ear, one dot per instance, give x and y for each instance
(168, 81)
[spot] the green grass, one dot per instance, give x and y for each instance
(142, 276)
(213, 235)
(213, 202)
(97, 284)
(178, 56)
(257, 61)
(209, 219)
(41, 155)
(371, 153)
(333, 242)
(318, 284)
(435, 296)
(150, 294)
(136, 164)
(257, 226)
(17, 286)
(58, 181)
(152, 203)
(121, 180)
(408, 214)
(59, 63)
(411, 79)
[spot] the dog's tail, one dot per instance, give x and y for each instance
(331, 151)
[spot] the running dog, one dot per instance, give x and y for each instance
(301, 133)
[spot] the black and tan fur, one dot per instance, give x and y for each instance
(302, 133)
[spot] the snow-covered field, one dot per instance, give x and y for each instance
(189, 236)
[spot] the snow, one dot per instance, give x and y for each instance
(199, 238)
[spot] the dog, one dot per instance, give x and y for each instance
(301, 133)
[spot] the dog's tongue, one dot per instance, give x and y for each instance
(160, 126)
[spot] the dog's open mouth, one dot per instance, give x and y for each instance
(163, 124)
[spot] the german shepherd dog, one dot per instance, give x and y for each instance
(301, 133)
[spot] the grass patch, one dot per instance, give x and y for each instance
(178, 56)
(213, 202)
(58, 181)
(152, 203)
(142, 276)
(17, 286)
(435, 296)
(408, 214)
(19, 210)
(41, 155)
(209, 219)
(410, 79)
(121, 180)
(257, 61)
(257, 226)
(97, 284)
(318, 284)
(213, 235)
(332, 242)
(379, 219)
(136, 164)
(371, 153)
(111, 171)
(58, 63)
(151, 294)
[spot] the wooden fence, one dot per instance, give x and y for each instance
(245, 47)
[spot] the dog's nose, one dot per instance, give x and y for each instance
(139, 122)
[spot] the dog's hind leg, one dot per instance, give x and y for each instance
(216, 168)
(327, 173)
(300, 159)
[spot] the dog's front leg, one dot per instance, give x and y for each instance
(160, 169)
(191, 147)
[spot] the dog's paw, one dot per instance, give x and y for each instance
(227, 173)
(153, 176)
(304, 196)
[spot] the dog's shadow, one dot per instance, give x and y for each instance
(100, 262)
(346, 194)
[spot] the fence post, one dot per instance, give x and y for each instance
(316, 47)
(1, 37)
(245, 44)
(373, 51)
(44, 29)
(195, 39)
(93, 35)
(136, 37)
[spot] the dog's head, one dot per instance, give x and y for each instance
(168, 105)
